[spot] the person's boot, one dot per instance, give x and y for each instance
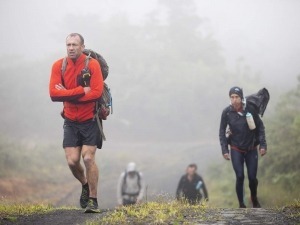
(255, 202)
(84, 197)
(242, 205)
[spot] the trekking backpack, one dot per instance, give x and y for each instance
(100, 59)
(104, 104)
(259, 101)
(124, 183)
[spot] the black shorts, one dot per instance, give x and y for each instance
(84, 133)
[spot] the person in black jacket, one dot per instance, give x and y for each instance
(190, 186)
(243, 143)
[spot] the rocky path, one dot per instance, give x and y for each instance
(213, 216)
(248, 216)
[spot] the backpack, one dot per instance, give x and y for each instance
(259, 101)
(104, 104)
(124, 184)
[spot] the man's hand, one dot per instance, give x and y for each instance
(60, 87)
(262, 151)
(86, 90)
(226, 156)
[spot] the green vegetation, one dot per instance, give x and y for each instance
(292, 210)
(153, 213)
(24, 159)
(32, 171)
(282, 167)
(11, 211)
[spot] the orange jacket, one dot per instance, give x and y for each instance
(78, 106)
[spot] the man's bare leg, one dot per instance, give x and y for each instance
(73, 155)
(92, 173)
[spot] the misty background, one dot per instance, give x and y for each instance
(171, 62)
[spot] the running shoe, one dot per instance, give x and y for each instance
(92, 206)
(84, 197)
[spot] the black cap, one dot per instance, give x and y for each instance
(236, 90)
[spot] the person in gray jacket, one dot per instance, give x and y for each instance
(131, 186)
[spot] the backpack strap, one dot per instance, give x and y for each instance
(65, 63)
(63, 69)
(87, 60)
(102, 135)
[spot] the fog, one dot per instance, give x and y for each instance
(264, 33)
(171, 66)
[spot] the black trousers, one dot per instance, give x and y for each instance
(251, 159)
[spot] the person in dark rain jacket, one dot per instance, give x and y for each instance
(244, 139)
(191, 185)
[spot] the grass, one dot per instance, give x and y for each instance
(158, 212)
(11, 211)
(292, 210)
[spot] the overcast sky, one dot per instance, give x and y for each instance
(265, 33)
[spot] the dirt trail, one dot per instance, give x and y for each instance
(215, 216)
(58, 217)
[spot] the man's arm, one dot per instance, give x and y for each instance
(204, 189)
(261, 135)
(142, 190)
(57, 91)
(179, 188)
(96, 83)
(222, 135)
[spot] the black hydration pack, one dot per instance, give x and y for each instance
(259, 101)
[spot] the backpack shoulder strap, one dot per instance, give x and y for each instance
(139, 180)
(227, 110)
(64, 66)
(87, 61)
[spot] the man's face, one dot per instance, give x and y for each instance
(191, 171)
(236, 100)
(74, 47)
